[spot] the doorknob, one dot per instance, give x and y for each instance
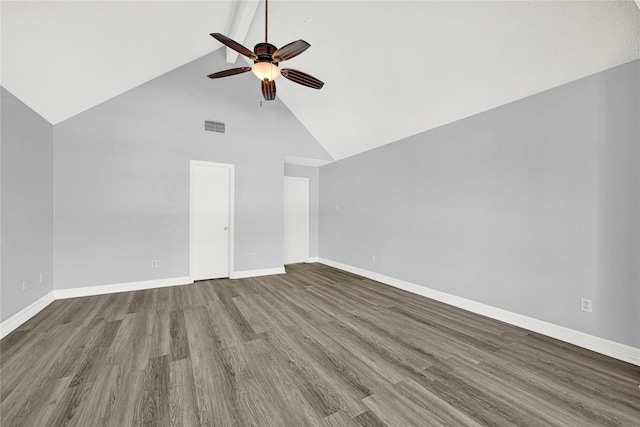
(226, 228)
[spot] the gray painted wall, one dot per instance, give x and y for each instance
(121, 172)
(527, 207)
(26, 205)
(313, 173)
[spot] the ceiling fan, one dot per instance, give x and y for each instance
(266, 58)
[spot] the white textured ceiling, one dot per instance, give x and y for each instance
(391, 68)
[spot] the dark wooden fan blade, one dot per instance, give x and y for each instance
(301, 78)
(231, 72)
(291, 50)
(234, 45)
(269, 90)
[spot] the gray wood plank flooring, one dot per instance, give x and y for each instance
(315, 347)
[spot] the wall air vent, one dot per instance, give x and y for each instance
(211, 126)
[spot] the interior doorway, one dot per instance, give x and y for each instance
(296, 219)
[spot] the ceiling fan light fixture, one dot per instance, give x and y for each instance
(265, 71)
(266, 58)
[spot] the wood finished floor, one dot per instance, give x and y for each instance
(315, 347)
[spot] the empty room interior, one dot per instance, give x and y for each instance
(320, 213)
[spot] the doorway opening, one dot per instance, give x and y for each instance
(296, 219)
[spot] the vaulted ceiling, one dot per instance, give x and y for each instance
(391, 68)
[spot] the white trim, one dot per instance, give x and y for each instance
(600, 345)
(232, 228)
(305, 161)
(232, 202)
(256, 273)
(14, 322)
(313, 259)
(307, 220)
(120, 287)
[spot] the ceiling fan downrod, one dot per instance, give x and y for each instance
(266, 20)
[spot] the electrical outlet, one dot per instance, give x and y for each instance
(154, 263)
(373, 258)
(585, 305)
(254, 255)
(41, 277)
(24, 285)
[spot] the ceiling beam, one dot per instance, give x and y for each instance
(245, 10)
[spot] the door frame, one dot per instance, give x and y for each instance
(232, 174)
(306, 180)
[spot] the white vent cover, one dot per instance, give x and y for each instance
(211, 126)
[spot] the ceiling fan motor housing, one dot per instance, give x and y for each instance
(264, 52)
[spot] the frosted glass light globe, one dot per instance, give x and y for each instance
(265, 71)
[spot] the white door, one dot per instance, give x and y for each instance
(296, 219)
(211, 204)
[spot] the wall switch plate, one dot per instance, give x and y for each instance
(373, 258)
(337, 208)
(24, 285)
(585, 305)
(154, 263)
(41, 277)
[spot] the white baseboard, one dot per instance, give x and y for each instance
(581, 339)
(256, 273)
(600, 345)
(120, 287)
(13, 322)
(28, 312)
(313, 259)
